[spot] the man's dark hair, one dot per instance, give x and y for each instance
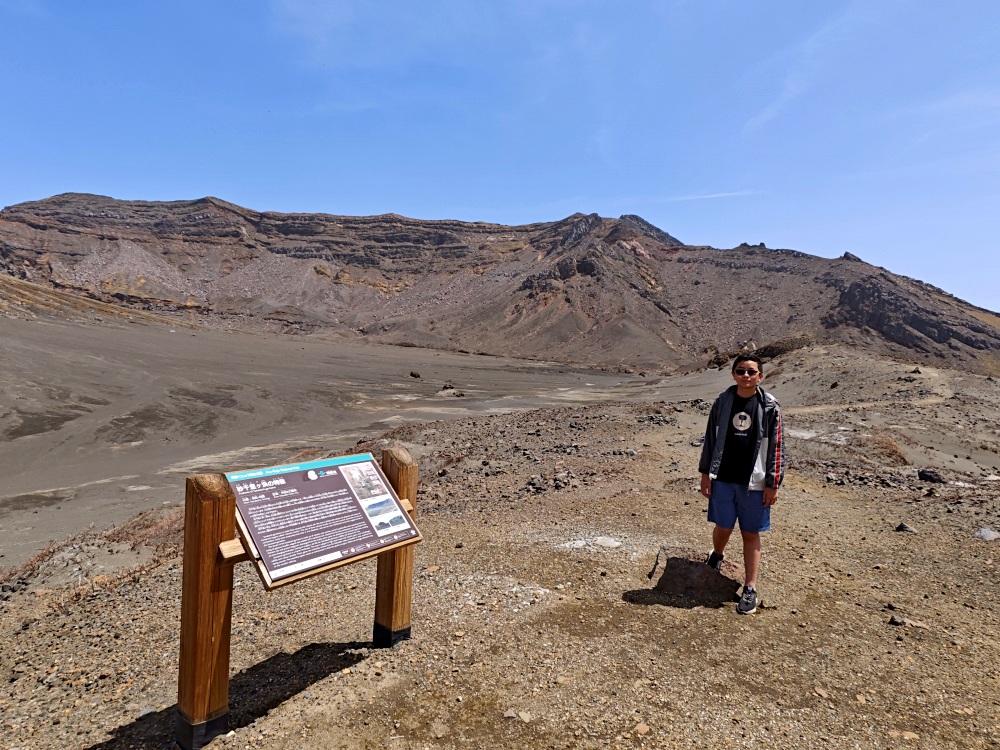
(748, 358)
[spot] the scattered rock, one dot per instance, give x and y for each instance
(907, 623)
(906, 527)
(414, 374)
(607, 542)
(929, 475)
(986, 534)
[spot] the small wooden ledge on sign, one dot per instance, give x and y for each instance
(233, 551)
(293, 522)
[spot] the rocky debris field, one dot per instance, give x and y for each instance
(559, 598)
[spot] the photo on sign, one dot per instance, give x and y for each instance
(378, 504)
(388, 525)
(365, 481)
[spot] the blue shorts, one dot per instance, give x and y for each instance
(730, 502)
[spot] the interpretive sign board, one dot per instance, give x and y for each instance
(302, 519)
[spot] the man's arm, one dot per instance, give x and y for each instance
(775, 459)
(708, 444)
(770, 496)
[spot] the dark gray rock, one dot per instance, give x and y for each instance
(929, 475)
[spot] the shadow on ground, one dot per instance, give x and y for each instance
(686, 583)
(252, 693)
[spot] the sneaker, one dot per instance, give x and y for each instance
(715, 560)
(748, 602)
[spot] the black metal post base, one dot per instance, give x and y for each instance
(196, 736)
(382, 637)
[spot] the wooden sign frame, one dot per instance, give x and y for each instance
(211, 548)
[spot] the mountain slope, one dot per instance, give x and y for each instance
(610, 292)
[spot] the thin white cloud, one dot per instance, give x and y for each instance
(961, 121)
(793, 85)
(808, 57)
(711, 196)
(314, 20)
(396, 33)
(33, 8)
(361, 35)
(969, 101)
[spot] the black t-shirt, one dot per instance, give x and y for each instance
(741, 436)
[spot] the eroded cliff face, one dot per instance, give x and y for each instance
(608, 292)
(884, 306)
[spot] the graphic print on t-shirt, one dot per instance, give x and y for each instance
(737, 455)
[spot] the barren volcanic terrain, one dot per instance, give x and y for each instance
(101, 421)
(559, 598)
(553, 382)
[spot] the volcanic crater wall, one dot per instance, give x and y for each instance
(607, 292)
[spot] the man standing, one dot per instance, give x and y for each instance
(742, 465)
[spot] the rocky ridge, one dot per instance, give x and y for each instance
(586, 289)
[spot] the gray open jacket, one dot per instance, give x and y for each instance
(769, 452)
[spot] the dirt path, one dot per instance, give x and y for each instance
(826, 408)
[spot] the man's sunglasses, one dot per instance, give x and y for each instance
(751, 373)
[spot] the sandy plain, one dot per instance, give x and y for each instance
(99, 422)
(545, 506)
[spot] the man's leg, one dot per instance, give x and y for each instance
(721, 512)
(751, 556)
(720, 538)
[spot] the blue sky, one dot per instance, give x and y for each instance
(829, 127)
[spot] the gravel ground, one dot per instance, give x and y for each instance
(534, 621)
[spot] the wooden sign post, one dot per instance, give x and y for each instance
(394, 575)
(206, 612)
(210, 550)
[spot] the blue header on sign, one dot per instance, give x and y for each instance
(270, 471)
